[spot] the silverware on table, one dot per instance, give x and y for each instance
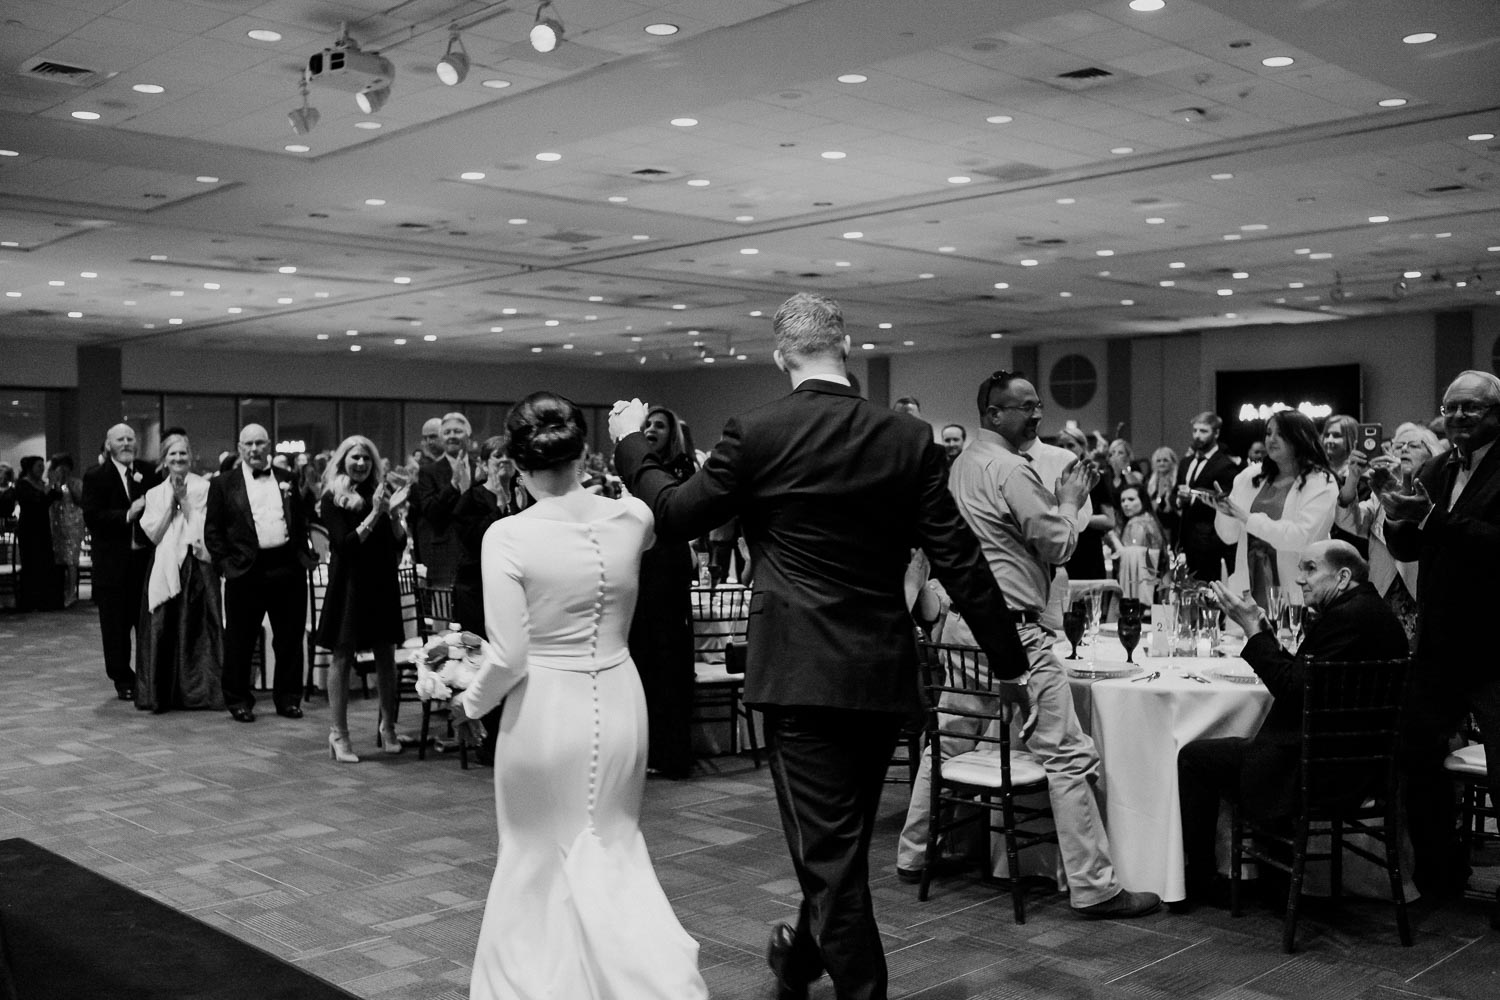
(1153, 675)
(1200, 680)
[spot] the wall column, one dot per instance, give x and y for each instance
(1117, 387)
(878, 381)
(1452, 348)
(98, 403)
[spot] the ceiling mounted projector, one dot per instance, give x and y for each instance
(344, 67)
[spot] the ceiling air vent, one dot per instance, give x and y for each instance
(42, 68)
(1447, 188)
(1083, 79)
(650, 173)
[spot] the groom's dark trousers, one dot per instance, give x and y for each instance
(833, 494)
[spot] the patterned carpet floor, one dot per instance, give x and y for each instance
(373, 876)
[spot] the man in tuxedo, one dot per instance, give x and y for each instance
(832, 495)
(1348, 620)
(1209, 467)
(257, 534)
(431, 451)
(1450, 523)
(114, 495)
(439, 485)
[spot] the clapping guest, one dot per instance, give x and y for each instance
(1339, 433)
(1087, 562)
(1161, 492)
(362, 606)
(439, 485)
(182, 627)
(41, 577)
(1121, 472)
(1277, 510)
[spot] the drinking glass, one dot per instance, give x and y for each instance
(1291, 622)
(1093, 605)
(1073, 627)
(1130, 634)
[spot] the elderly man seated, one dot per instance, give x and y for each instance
(1347, 620)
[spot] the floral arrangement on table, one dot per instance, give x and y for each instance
(1178, 582)
(447, 663)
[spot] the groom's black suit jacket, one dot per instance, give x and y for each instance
(833, 493)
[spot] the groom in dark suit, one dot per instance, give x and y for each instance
(1450, 524)
(257, 534)
(833, 493)
(114, 495)
(1206, 467)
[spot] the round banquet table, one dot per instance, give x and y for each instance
(1138, 726)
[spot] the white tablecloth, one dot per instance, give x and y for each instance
(1138, 728)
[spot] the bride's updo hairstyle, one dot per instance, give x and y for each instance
(546, 430)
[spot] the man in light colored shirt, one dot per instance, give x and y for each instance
(1024, 530)
(255, 530)
(434, 495)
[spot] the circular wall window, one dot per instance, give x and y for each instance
(1073, 381)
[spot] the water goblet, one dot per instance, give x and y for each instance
(1073, 626)
(1130, 635)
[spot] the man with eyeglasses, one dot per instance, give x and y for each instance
(1450, 523)
(1025, 529)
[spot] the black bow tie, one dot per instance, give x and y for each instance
(260, 473)
(1459, 460)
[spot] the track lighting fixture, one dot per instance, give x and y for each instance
(454, 66)
(304, 119)
(547, 31)
(373, 99)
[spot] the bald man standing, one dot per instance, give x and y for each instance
(257, 535)
(114, 494)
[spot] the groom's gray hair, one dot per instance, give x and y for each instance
(809, 325)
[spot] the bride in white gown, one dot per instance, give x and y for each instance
(575, 911)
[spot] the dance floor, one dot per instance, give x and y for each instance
(373, 876)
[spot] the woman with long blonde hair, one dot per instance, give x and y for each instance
(362, 606)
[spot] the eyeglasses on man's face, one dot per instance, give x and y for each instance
(1030, 409)
(1466, 408)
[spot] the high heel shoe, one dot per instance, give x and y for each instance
(339, 748)
(388, 742)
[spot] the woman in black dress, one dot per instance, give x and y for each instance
(41, 578)
(499, 495)
(661, 634)
(1088, 555)
(362, 607)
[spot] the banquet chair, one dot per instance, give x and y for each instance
(1478, 812)
(721, 619)
(10, 568)
(1350, 743)
(437, 606)
(990, 777)
(317, 589)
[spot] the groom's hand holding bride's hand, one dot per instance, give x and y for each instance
(470, 731)
(626, 418)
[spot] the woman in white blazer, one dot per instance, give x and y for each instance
(1277, 509)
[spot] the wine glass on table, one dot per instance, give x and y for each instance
(1129, 629)
(1073, 624)
(1093, 605)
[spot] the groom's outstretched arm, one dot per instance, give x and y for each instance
(692, 508)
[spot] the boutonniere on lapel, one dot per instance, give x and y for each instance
(135, 477)
(286, 487)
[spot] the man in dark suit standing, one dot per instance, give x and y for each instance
(114, 495)
(1450, 524)
(1353, 623)
(833, 494)
(256, 532)
(1209, 467)
(434, 495)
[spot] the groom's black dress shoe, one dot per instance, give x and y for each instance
(242, 715)
(779, 958)
(289, 712)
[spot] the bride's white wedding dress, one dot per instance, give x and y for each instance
(575, 911)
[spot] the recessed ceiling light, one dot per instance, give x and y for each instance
(1233, 236)
(1177, 263)
(589, 318)
(375, 202)
(662, 29)
(1240, 274)
(9, 152)
(355, 348)
(1028, 262)
(536, 350)
(1155, 220)
(1302, 250)
(1127, 302)
(1411, 274)
(1104, 253)
(1145, 6)
(698, 182)
(158, 256)
(206, 179)
(996, 336)
(1420, 37)
(509, 311)
(1276, 62)
(1067, 201)
(1254, 227)
(471, 175)
(1319, 256)
(296, 147)
(959, 179)
(1220, 177)
(128, 302)
(946, 249)
(596, 298)
(1441, 236)
(264, 35)
(1493, 249)
(926, 275)
(13, 295)
(684, 122)
(517, 222)
(748, 251)
(287, 269)
(553, 322)
(640, 236)
(884, 326)
(284, 301)
(1002, 285)
(1167, 284)
(1296, 284)
(234, 310)
(175, 322)
(834, 154)
(549, 157)
(1226, 291)
(399, 341)
(999, 119)
(320, 295)
(402, 280)
(867, 347)
(1481, 137)
(1065, 295)
(753, 312)
(147, 88)
(212, 286)
(744, 218)
(853, 78)
(88, 274)
(75, 315)
(1380, 218)
(57, 284)
(1122, 150)
(429, 337)
(679, 306)
(369, 126)
(496, 84)
(908, 343)
(855, 235)
(86, 116)
(843, 263)
(1392, 102)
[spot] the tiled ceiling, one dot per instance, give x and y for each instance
(1036, 169)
